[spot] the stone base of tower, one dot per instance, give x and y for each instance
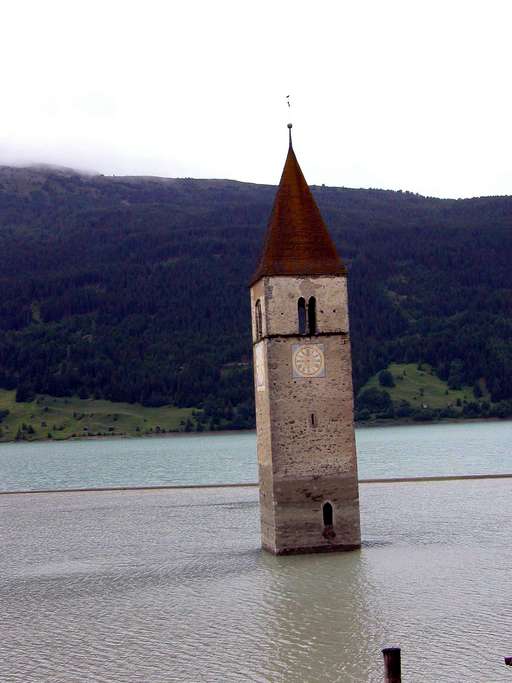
(333, 548)
(294, 519)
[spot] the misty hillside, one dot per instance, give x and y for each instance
(135, 289)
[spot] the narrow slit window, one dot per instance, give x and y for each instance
(327, 514)
(301, 307)
(259, 331)
(313, 419)
(312, 315)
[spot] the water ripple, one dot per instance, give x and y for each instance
(172, 586)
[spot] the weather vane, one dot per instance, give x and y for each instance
(289, 125)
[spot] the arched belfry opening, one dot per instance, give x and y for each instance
(259, 321)
(306, 313)
(312, 315)
(301, 310)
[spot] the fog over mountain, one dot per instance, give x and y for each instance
(395, 95)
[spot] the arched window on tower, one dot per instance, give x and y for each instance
(327, 513)
(328, 519)
(312, 315)
(301, 307)
(259, 325)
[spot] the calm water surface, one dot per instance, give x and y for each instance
(166, 586)
(418, 450)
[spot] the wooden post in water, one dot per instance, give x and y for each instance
(392, 665)
(508, 661)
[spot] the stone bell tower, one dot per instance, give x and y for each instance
(309, 498)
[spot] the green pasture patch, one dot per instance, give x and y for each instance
(63, 418)
(421, 387)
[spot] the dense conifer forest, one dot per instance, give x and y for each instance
(135, 289)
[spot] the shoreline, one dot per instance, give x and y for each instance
(406, 422)
(371, 424)
(189, 487)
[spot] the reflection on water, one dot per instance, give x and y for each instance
(385, 452)
(317, 619)
(171, 586)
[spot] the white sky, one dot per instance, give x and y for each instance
(412, 95)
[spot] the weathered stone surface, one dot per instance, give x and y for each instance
(279, 296)
(305, 430)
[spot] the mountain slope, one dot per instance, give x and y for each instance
(135, 289)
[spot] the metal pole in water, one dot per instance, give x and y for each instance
(392, 665)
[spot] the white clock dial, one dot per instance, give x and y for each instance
(308, 360)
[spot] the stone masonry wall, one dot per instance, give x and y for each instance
(305, 462)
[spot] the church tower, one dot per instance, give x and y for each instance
(309, 498)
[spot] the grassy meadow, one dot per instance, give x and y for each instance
(64, 418)
(421, 387)
(48, 417)
(410, 391)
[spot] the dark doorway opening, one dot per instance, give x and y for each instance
(327, 513)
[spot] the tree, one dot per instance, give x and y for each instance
(502, 409)
(455, 378)
(471, 409)
(374, 400)
(25, 393)
(386, 379)
(404, 409)
(424, 415)
(363, 415)
(449, 412)
(422, 288)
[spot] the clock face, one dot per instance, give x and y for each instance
(259, 362)
(308, 360)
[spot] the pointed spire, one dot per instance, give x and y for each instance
(297, 240)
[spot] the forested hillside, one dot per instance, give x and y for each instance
(135, 289)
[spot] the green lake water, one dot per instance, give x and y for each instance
(171, 585)
(405, 451)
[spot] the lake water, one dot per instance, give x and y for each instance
(170, 585)
(387, 452)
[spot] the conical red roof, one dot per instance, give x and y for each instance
(297, 240)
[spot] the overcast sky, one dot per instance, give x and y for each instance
(412, 95)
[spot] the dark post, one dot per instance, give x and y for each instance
(508, 661)
(392, 665)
